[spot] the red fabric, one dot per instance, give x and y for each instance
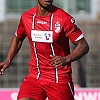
(40, 89)
(68, 30)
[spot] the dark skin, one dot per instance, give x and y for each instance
(81, 49)
(14, 47)
(45, 7)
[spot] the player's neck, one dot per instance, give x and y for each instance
(43, 12)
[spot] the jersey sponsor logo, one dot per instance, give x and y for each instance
(42, 36)
(41, 22)
(57, 27)
(47, 36)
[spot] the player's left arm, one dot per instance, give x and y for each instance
(76, 36)
(81, 49)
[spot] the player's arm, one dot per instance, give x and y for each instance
(14, 47)
(80, 50)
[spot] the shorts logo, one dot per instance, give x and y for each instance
(47, 36)
(57, 27)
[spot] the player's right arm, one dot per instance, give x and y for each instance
(14, 47)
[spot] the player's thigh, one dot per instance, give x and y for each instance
(61, 91)
(30, 88)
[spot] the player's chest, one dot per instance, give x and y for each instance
(45, 28)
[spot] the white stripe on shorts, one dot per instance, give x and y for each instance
(70, 88)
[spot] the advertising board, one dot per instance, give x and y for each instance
(80, 94)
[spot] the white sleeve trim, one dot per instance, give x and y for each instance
(80, 37)
(16, 34)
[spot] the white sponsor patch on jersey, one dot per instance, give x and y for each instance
(42, 36)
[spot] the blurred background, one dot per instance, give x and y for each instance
(87, 15)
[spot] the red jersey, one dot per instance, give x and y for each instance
(48, 35)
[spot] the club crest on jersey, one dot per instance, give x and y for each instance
(57, 27)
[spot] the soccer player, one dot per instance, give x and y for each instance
(49, 30)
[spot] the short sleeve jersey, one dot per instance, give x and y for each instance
(48, 35)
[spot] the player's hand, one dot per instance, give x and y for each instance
(57, 61)
(3, 66)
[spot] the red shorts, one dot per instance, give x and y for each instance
(41, 89)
